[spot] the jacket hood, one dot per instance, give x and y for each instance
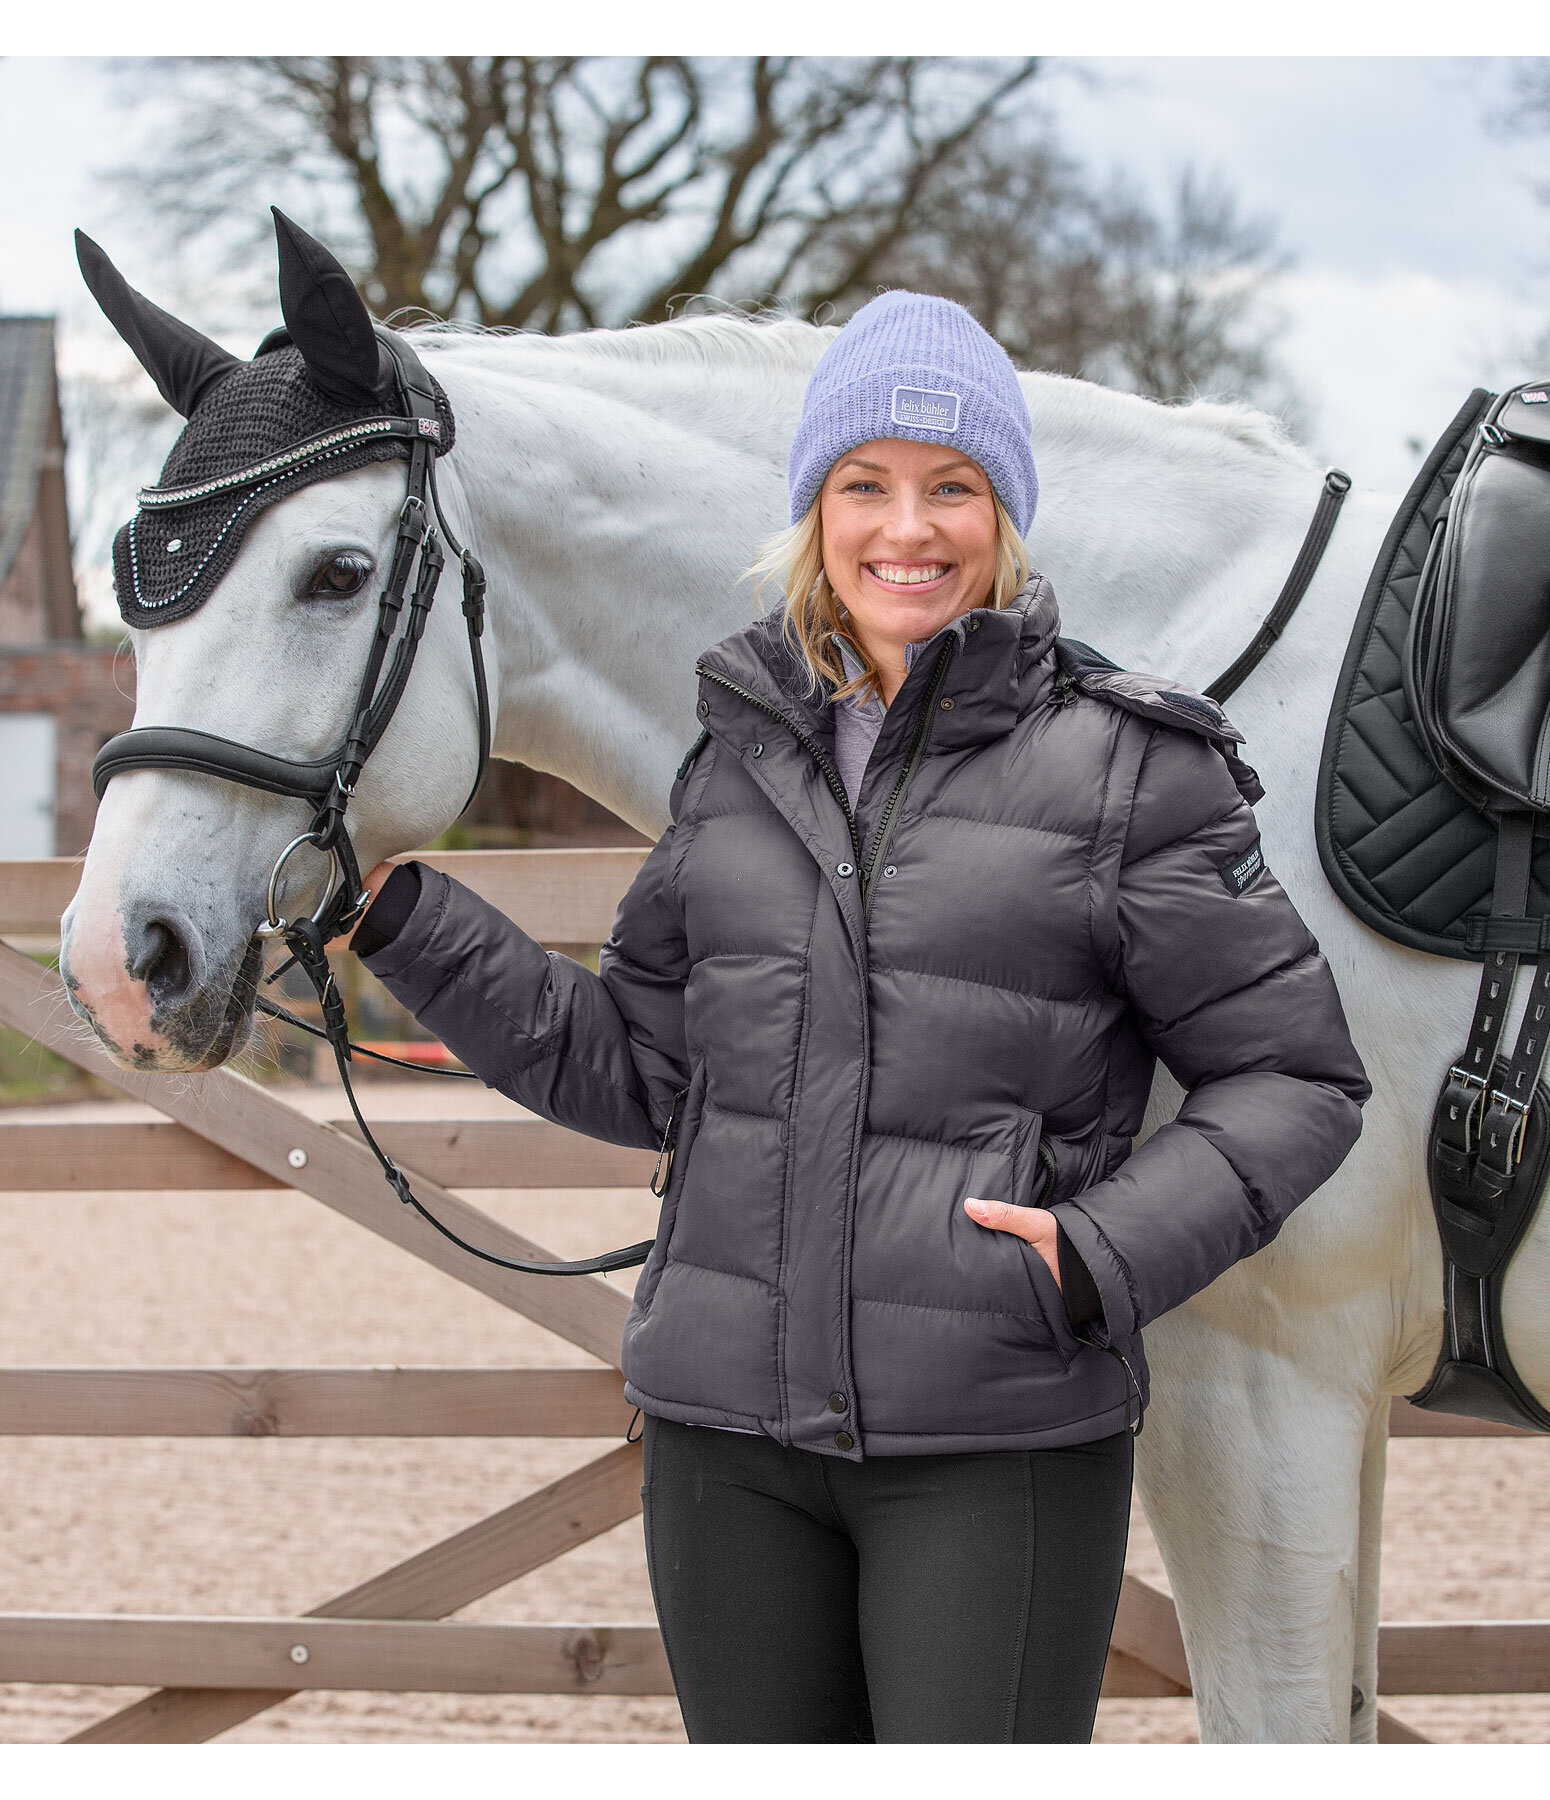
(1003, 665)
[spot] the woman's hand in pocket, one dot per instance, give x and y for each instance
(1032, 1224)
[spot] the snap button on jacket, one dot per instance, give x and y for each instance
(851, 1057)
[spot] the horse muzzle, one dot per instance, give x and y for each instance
(145, 981)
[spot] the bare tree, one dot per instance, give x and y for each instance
(1527, 113)
(1095, 283)
(1527, 109)
(557, 192)
(1187, 292)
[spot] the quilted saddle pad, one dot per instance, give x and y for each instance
(1405, 851)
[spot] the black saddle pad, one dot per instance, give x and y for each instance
(1405, 851)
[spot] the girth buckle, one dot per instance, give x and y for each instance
(1464, 1106)
(1513, 1151)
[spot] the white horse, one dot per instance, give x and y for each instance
(615, 484)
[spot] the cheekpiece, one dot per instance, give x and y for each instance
(260, 433)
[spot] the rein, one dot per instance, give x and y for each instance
(327, 783)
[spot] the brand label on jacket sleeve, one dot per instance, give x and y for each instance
(1241, 871)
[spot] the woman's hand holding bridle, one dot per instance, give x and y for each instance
(1031, 1223)
(373, 886)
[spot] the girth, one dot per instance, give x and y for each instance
(1488, 1153)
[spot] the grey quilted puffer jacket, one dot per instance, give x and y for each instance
(1051, 878)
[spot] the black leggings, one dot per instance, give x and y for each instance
(905, 1599)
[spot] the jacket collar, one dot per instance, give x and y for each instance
(1003, 665)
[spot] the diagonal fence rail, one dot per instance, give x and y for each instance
(219, 1130)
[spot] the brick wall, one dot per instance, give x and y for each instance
(23, 604)
(77, 683)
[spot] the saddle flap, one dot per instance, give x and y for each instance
(1477, 660)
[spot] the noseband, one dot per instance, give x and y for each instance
(327, 783)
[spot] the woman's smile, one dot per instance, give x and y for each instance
(911, 575)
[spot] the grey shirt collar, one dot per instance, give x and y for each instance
(857, 721)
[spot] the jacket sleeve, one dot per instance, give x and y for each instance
(603, 1054)
(1230, 990)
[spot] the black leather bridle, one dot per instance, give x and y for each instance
(327, 783)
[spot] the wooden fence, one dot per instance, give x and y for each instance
(221, 1130)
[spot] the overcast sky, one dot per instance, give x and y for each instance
(1421, 253)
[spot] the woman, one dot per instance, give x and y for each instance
(893, 983)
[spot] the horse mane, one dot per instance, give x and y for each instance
(707, 340)
(774, 342)
(1064, 405)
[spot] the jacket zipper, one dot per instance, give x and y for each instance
(832, 776)
(866, 866)
(805, 739)
(901, 787)
(885, 828)
(1047, 1186)
(661, 1175)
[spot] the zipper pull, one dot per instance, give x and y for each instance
(1066, 689)
(661, 1176)
(1120, 1356)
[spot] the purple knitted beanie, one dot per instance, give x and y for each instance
(916, 366)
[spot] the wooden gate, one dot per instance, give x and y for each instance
(221, 1130)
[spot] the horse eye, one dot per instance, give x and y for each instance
(340, 576)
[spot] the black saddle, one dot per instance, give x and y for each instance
(1477, 658)
(1433, 825)
(1401, 846)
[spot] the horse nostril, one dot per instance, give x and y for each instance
(162, 962)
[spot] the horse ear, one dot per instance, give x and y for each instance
(183, 363)
(326, 318)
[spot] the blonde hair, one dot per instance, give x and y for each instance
(792, 561)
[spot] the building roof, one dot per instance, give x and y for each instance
(26, 395)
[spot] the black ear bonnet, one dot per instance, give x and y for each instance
(326, 395)
(186, 535)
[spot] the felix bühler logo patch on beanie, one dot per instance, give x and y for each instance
(929, 409)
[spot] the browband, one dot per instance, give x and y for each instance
(284, 461)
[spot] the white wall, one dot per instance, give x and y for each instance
(27, 758)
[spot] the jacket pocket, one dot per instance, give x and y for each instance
(1052, 1304)
(1033, 1161)
(1035, 1176)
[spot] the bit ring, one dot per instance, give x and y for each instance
(274, 925)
